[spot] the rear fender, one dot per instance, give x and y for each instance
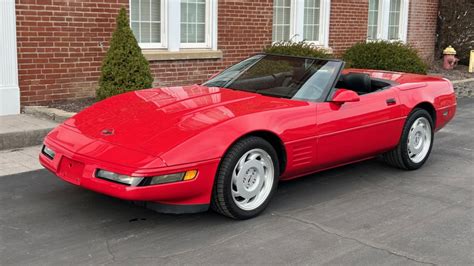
(439, 94)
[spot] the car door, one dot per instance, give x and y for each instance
(356, 130)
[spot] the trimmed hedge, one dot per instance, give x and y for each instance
(124, 67)
(383, 55)
(297, 49)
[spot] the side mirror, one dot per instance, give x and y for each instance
(343, 96)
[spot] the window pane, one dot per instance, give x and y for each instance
(135, 13)
(184, 32)
(281, 20)
(155, 11)
(145, 30)
(155, 32)
(193, 21)
(312, 11)
(146, 20)
(200, 33)
(373, 19)
(136, 30)
(394, 20)
(145, 10)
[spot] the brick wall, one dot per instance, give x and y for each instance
(61, 43)
(422, 27)
(348, 24)
(60, 53)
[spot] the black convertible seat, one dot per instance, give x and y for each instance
(358, 82)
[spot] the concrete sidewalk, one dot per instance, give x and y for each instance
(19, 160)
(18, 131)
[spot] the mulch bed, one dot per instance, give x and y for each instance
(458, 73)
(74, 105)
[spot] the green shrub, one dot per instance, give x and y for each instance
(383, 55)
(124, 67)
(297, 49)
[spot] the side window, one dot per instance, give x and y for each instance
(317, 87)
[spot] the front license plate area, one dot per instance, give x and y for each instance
(71, 170)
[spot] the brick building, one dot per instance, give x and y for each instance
(52, 49)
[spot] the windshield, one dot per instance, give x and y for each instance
(281, 76)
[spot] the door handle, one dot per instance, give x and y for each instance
(391, 101)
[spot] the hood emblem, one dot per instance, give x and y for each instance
(107, 131)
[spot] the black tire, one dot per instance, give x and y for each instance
(222, 201)
(399, 157)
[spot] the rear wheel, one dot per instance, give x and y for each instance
(246, 179)
(415, 144)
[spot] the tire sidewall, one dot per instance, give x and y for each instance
(414, 115)
(232, 157)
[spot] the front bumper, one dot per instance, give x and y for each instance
(80, 170)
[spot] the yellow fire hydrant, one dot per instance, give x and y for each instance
(449, 58)
(471, 62)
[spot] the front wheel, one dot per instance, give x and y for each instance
(416, 142)
(246, 180)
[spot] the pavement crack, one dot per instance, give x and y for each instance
(109, 251)
(215, 243)
(366, 243)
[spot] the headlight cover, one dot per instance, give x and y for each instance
(162, 179)
(123, 179)
(48, 152)
(147, 181)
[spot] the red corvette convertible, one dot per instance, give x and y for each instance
(227, 143)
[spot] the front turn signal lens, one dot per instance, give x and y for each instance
(190, 175)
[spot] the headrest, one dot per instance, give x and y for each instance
(359, 82)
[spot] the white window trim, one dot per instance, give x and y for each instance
(383, 20)
(297, 22)
(171, 28)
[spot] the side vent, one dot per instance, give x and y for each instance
(302, 154)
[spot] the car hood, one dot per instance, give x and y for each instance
(156, 120)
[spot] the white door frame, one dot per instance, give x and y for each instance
(9, 89)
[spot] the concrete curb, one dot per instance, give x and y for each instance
(48, 113)
(462, 81)
(19, 131)
(15, 140)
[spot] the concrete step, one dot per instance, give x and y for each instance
(54, 114)
(18, 131)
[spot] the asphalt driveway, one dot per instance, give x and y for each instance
(362, 214)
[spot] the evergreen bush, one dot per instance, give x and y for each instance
(383, 55)
(124, 67)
